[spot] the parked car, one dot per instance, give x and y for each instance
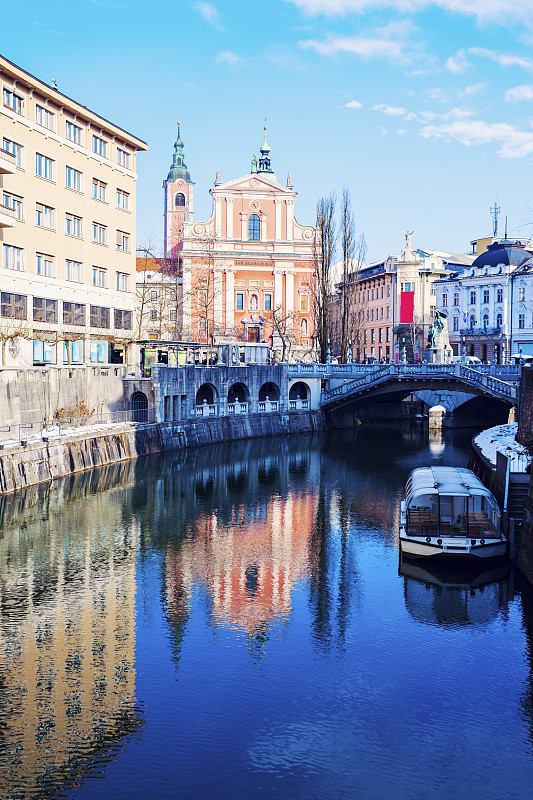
(471, 361)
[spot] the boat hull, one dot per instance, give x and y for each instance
(456, 548)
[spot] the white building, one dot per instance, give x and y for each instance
(490, 304)
(67, 228)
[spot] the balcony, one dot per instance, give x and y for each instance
(7, 216)
(8, 164)
(480, 331)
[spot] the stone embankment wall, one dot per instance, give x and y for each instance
(525, 407)
(35, 394)
(44, 461)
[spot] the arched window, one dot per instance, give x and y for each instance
(499, 320)
(179, 200)
(485, 320)
(254, 228)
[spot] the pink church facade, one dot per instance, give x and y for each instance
(247, 271)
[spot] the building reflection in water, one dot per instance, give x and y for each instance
(443, 596)
(67, 632)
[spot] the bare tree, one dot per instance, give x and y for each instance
(11, 330)
(206, 290)
(322, 289)
(351, 317)
(284, 328)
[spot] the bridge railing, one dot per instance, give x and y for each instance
(503, 371)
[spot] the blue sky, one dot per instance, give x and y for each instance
(423, 109)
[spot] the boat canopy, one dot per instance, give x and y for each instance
(444, 481)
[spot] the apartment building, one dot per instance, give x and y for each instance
(67, 228)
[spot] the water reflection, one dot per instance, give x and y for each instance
(444, 596)
(67, 632)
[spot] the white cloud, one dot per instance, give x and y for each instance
(513, 143)
(365, 47)
(518, 93)
(503, 59)
(353, 104)
(482, 9)
(227, 57)
(209, 13)
(392, 111)
(457, 63)
(474, 88)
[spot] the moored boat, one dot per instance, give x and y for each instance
(449, 513)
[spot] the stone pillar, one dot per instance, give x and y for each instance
(263, 217)
(230, 302)
(279, 206)
(290, 220)
(244, 223)
(289, 292)
(229, 217)
(436, 417)
(217, 301)
(218, 217)
(278, 290)
(186, 304)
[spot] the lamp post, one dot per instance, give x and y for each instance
(464, 349)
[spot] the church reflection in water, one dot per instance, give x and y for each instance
(67, 632)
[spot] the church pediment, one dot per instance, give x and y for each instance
(251, 183)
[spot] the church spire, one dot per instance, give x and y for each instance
(178, 168)
(265, 165)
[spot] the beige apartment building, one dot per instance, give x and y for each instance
(67, 228)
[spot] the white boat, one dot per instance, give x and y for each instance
(449, 513)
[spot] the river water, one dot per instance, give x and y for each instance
(233, 622)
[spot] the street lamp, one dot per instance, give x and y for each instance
(464, 348)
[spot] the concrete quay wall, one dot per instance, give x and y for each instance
(40, 462)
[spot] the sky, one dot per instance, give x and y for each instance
(423, 109)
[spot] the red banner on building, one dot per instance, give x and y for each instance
(407, 306)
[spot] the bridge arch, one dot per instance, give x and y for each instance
(238, 393)
(206, 393)
(299, 391)
(270, 390)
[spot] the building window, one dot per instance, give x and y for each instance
(153, 314)
(372, 336)
(179, 200)
(380, 335)
(44, 310)
(387, 335)
(13, 101)
(254, 228)
(45, 216)
(123, 282)
(123, 241)
(172, 315)
(123, 158)
(99, 233)
(123, 319)
(521, 294)
(240, 302)
(472, 321)
(486, 296)
(456, 323)
(521, 320)
(485, 320)
(73, 179)
(123, 200)
(44, 352)
(456, 298)
(44, 265)
(99, 190)
(445, 299)
(15, 202)
(13, 257)
(99, 317)
(73, 132)
(388, 312)
(44, 117)
(499, 320)
(99, 146)
(99, 278)
(44, 167)
(304, 302)
(472, 297)
(15, 149)
(153, 296)
(73, 271)
(73, 313)
(73, 225)
(499, 295)
(388, 290)
(268, 302)
(13, 306)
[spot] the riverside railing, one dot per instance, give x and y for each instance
(33, 431)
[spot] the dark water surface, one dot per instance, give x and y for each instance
(232, 622)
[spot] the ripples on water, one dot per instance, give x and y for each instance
(233, 622)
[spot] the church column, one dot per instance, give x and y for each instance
(289, 292)
(186, 303)
(230, 302)
(218, 218)
(217, 301)
(290, 220)
(244, 224)
(279, 204)
(264, 218)
(229, 217)
(278, 290)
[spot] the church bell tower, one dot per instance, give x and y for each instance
(178, 189)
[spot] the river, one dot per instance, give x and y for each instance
(233, 622)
